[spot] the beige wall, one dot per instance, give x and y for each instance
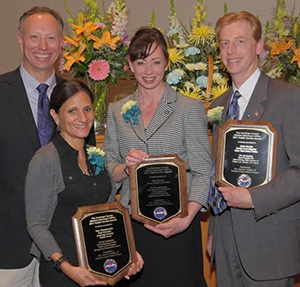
(139, 10)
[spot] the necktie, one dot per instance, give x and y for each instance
(44, 121)
(215, 198)
(234, 110)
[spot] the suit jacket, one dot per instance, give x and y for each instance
(179, 127)
(268, 237)
(18, 142)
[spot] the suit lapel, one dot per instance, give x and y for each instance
(256, 105)
(139, 127)
(225, 103)
(163, 112)
(20, 103)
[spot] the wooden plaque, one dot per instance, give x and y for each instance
(104, 240)
(158, 189)
(246, 153)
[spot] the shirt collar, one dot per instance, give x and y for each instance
(246, 89)
(31, 83)
(62, 146)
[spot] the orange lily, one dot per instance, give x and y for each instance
(296, 57)
(106, 40)
(74, 58)
(87, 29)
(73, 41)
(279, 47)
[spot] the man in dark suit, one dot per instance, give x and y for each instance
(40, 39)
(255, 241)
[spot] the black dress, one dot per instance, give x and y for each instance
(176, 261)
(79, 190)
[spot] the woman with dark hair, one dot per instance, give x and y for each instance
(61, 178)
(156, 120)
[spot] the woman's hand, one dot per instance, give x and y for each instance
(176, 225)
(80, 275)
(135, 156)
(135, 267)
(171, 227)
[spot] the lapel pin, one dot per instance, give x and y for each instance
(256, 113)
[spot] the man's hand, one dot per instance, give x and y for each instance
(237, 197)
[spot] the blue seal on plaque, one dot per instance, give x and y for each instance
(110, 265)
(244, 180)
(160, 213)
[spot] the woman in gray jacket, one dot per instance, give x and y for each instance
(60, 179)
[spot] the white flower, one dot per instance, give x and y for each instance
(95, 150)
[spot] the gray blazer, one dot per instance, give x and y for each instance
(44, 181)
(179, 126)
(268, 237)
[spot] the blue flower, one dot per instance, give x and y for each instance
(96, 158)
(191, 51)
(173, 78)
(173, 31)
(130, 110)
(202, 81)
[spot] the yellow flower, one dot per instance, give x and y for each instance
(214, 115)
(218, 90)
(279, 47)
(182, 45)
(95, 150)
(196, 67)
(201, 35)
(296, 57)
(80, 18)
(175, 56)
(74, 58)
(180, 72)
(190, 90)
(127, 106)
(106, 40)
(219, 79)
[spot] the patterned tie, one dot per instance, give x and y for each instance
(44, 122)
(215, 198)
(234, 109)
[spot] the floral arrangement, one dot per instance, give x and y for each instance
(97, 48)
(214, 115)
(130, 110)
(194, 67)
(282, 41)
(96, 158)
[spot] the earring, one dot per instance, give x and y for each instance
(58, 128)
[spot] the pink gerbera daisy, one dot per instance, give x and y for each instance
(99, 70)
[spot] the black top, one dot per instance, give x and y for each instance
(80, 190)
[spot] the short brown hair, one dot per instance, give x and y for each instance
(240, 16)
(40, 10)
(141, 43)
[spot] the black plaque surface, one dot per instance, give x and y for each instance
(246, 154)
(158, 189)
(104, 240)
